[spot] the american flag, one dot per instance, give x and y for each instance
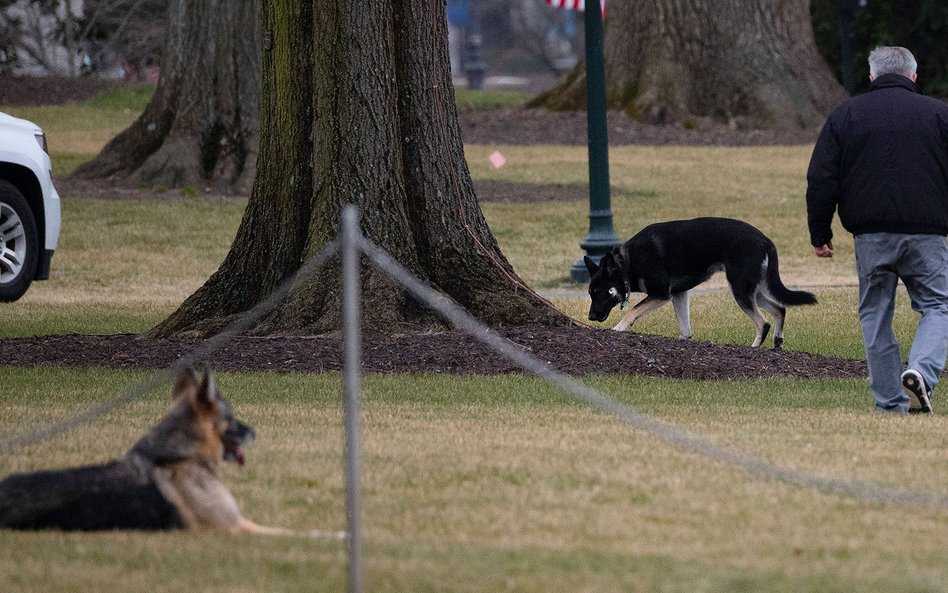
(574, 4)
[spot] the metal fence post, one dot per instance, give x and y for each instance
(352, 340)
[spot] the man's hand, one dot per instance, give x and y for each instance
(824, 250)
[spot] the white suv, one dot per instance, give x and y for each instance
(29, 207)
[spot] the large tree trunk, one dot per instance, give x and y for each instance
(752, 63)
(202, 124)
(358, 107)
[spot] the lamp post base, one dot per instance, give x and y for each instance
(578, 272)
(595, 248)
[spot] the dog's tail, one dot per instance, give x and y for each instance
(778, 290)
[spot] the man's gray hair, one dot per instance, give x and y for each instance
(892, 60)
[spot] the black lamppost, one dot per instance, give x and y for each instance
(601, 237)
(475, 67)
(847, 11)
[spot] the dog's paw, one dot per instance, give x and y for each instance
(778, 343)
(322, 534)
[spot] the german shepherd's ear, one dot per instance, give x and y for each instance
(185, 386)
(208, 393)
(590, 265)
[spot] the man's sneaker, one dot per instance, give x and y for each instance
(920, 398)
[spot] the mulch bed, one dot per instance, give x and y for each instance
(50, 90)
(574, 350)
(540, 126)
(487, 191)
(501, 126)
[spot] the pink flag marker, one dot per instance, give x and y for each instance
(497, 159)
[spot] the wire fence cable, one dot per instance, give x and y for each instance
(677, 437)
(146, 386)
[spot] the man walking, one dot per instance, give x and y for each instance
(882, 161)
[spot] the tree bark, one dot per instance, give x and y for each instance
(202, 124)
(750, 63)
(358, 107)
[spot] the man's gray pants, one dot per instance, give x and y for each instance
(921, 261)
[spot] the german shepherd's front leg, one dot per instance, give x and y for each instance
(642, 308)
(245, 525)
(205, 504)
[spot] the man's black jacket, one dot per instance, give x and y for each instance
(882, 159)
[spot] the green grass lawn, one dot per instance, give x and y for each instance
(77, 131)
(491, 483)
(501, 483)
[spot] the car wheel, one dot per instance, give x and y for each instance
(18, 243)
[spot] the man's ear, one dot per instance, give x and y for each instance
(590, 265)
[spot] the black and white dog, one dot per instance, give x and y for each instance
(667, 259)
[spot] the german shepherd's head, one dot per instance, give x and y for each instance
(200, 426)
(168, 480)
(607, 285)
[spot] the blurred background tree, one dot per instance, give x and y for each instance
(921, 26)
(123, 37)
(746, 63)
(111, 38)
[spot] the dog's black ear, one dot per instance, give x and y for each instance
(615, 250)
(185, 385)
(608, 262)
(590, 265)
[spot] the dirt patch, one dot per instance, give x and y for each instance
(539, 126)
(502, 126)
(50, 90)
(118, 189)
(487, 191)
(574, 350)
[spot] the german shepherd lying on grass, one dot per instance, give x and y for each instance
(170, 479)
(667, 259)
